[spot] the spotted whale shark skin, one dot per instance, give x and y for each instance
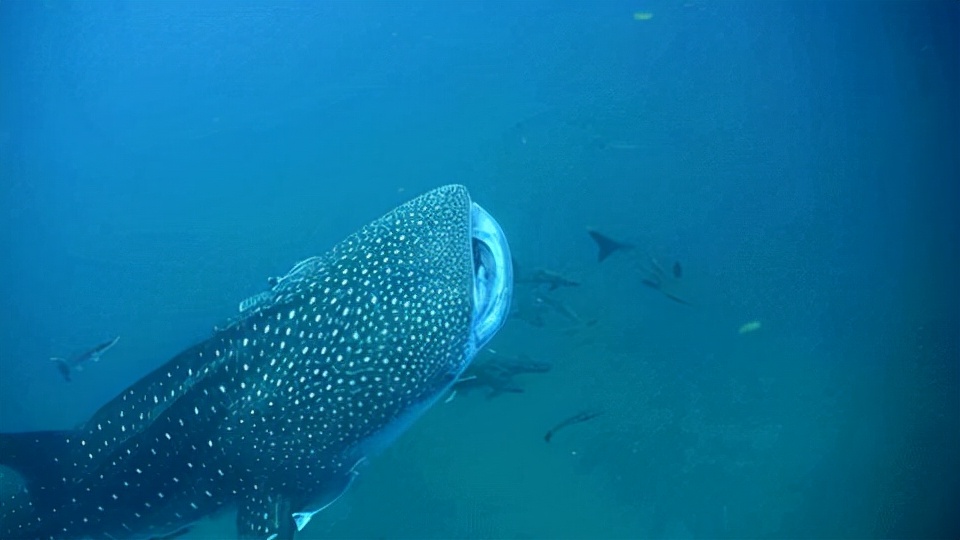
(275, 412)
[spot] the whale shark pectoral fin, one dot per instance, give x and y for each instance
(175, 534)
(334, 488)
(302, 518)
(35, 454)
(31, 469)
(265, 516)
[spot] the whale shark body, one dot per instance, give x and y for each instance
(274, 413)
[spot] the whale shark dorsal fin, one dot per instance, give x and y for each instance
(606, 246)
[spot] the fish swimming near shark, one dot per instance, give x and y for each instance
(275, 413)
(495, 373)
(537, 308)
(67, 366)
(607, 246)
(580, 417)
(655, 277)
(559, 307)
(550, 279)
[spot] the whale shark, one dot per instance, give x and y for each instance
(276, 412)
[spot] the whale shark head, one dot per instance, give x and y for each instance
(420, 290)
(275, 411)
(410, 299)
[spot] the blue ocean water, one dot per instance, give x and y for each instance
(800, 161)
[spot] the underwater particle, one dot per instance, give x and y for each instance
(751, 326)
(642, 16)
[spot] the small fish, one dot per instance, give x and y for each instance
(537, 308)
(751, 326)
(254, 301)
(657, 278)
(530, 312)
(575, 419)
(653, 283)
(559, 307)
(76, 362)
(657, 268)
(265, 298)
(676, 298)
(552, 280)
(495, 372)
(606, 246)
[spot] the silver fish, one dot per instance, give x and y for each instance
(275, 413)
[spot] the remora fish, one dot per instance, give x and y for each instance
(575, 419)
(274, 413)
(495, 372)
(549, 278)
(656, 278)
(76, 362)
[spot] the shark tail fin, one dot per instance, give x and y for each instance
(606, 246)
(63, 367)
(31, 479)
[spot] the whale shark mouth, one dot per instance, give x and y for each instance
(493, 276)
